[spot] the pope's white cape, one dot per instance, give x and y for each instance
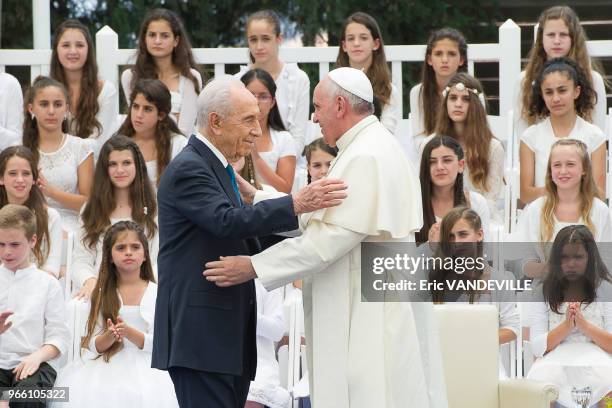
(360, 354)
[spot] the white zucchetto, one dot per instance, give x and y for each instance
(354, 81)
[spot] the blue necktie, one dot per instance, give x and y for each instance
(230, 171)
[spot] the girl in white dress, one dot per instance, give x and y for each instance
(570, 198)
(559, 34)
(18, 176)
(445, 55)
(461, 235)
(263, 34)
(274, 153)
(571, 325)
(464, 117)
(94, 105)
(562, 97)
(361, 47)
(65, 161)
(116, 370)
(148, 122)
(122, 191)
(164, 53)
(442, 188)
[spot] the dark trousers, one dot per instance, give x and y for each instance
(44, 377)
(197, 389)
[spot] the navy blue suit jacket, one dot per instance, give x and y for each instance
(197, 324)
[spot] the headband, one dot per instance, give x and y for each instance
(459, 87)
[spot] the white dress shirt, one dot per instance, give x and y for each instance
(39, 318)
(11, 111)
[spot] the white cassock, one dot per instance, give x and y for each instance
(360, 354)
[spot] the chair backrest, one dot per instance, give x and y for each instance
(609, 172)
(403, 132)
(290, 356)
(77, 313)
(470, 351)
(69, 245)
(501, 126)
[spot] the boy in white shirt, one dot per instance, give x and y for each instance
(37, 332)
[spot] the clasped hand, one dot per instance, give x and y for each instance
(575, 317)
(118, 329)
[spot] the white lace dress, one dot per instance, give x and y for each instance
(577, 361)
(127, 379)
(60, 169)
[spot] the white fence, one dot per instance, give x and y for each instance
(506, 52)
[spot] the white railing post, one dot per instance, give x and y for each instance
(323, 70)
(107, 47)
(219, 69)
(509, 63)
(41, 24)
(396, 78)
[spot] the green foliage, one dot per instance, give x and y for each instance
(215, 23)
(16, 24)
(401, 22)
(221, 22)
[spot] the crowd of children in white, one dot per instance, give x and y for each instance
(67, 166)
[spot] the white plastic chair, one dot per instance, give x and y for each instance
(291, 357)
(403, 133)
(295, 341)
(68, 243)
(470, 345)
(525, 355)
(609, 167)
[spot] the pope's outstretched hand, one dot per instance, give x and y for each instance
(319, 194)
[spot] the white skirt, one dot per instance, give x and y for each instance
(127, 380)
(575, 365)
(270, 395)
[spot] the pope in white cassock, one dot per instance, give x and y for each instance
(361, 355)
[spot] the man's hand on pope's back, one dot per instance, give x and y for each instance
(319, 194)
(230, 270)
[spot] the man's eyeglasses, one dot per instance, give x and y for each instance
(263, 97)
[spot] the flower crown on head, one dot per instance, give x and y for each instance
(459, 86)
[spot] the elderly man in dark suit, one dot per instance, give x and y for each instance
(205, 334)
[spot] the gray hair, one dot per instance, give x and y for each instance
(215, 97)
(358, 105)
